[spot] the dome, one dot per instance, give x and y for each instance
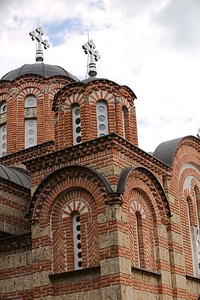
(16, 175)
(166, 150)
(40, 69)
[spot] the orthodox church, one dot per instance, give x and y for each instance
(84, 212)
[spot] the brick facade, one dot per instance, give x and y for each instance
(138, 214)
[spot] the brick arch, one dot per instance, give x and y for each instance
(87, 94)
(142, 243)
(72, 200)
(97, 87)
(64, 179)
(30, 90)
(4, 97)
(26, 84)
(56, 86)
(186, 197)
(101, 95)
(196, 186)
(137, 207)
(143, 180)
(186, 152)
(124, 102)
(75, 98)
(189, 192)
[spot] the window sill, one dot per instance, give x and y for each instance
(192, 277)
(146, 272)
(75, 275)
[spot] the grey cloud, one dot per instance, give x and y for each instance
(181, 21)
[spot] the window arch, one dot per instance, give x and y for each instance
(74, 233)
(76, 124)
(102, 118)
(77, 240)
(194, 236)
(197, 202)
(30, 122)
(141, 237)
(139, 240)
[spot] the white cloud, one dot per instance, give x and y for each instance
(151, 45)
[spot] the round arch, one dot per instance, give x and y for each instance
(65, 178)
(153, 183)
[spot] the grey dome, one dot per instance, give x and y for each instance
(166, 150)
(16, 175)
(41, 69)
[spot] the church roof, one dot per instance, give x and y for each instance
(16, 175)
(40, 69)
(166, 150)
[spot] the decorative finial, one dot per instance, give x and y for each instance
(37, 35)
(198, 132)
(93, 55)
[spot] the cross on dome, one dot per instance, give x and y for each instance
(37, 35)
(89, 48)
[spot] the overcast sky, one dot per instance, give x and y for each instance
(152, 46)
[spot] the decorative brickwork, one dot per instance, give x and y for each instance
(103, 219)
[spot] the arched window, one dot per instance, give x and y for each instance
(74, 233)
(3, 140)
(194, 237)
(76, 124)
(3, 108)
(102, 118)
(30, 101)
(142, 244)
(124, 120)
(30, 132)
(77, 241)
(197, 200)
(3, 129)
(30, 122)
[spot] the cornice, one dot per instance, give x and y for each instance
(14, 189)
(16, 158)
(106, 143)
(16, 242)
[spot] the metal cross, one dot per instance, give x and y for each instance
(37, 35)
(89, 48)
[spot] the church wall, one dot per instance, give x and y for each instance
(14, 201)
(136, 214)
(16, 268)
(186, 165)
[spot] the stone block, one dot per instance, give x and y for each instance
(115, 265)
(41, 254)
(38, 231)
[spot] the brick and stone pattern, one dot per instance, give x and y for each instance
(136, 212)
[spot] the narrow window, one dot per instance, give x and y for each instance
(197, 198)
(30, 101)
(194, 241)
(76, 123)
(3, 108)
(77, 241)
(139, 240)
(102, 118)
(30, 133)
(124, 120)
(3, 129)
(3, 140)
